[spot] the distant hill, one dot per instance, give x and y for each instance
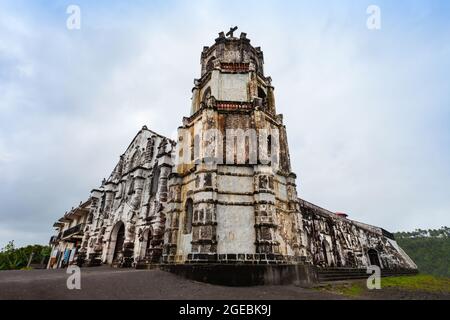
(430, 249)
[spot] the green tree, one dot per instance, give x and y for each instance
(12, 258)
(430, 249)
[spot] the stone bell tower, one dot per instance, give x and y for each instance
(232, 195)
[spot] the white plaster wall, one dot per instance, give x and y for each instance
(184, 244)
(232, 87)
(264, 197)
(227, 198)
(281, 191)
(235, 170)
(204, 195)
(235, 229)
(234, 184)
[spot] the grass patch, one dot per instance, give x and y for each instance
(354, 290)
(421, 282)
(26, 268)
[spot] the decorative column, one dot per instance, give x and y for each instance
(158, 220)
(195, 98)
(204, 223)
(172, 218)
(93, 257)
(266, 245)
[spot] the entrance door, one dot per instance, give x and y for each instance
(325, 253)
(119, 242)
(373, 257)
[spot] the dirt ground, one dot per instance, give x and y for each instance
(109, 283)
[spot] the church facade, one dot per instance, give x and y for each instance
(223, 193)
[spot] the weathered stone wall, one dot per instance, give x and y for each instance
(130, 201)
(334, 241)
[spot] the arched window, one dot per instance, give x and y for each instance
(131, 187)
(206, 95)
(261, 93)
(189, 208)
(155, 181)
(269, 147)
(195, 148)
(102, 203)
(135, 160)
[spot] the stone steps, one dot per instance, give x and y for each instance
(338, 274)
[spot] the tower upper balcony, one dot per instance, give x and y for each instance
(232, 54)
(233, 76)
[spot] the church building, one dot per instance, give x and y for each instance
(222, 197)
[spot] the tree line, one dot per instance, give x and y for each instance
(12, 258)
(430, 249)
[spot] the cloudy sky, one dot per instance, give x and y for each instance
(367, 111)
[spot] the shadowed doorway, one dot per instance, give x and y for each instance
(119, 242)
